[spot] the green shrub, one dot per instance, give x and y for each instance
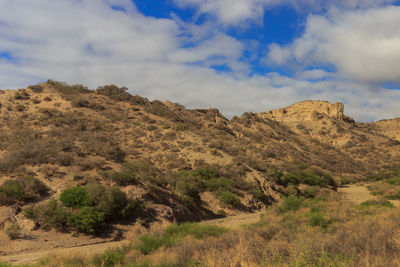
(229, 199)
(149, 243)
(13, 231)
(123, 178)
(21, 190)
(308, 178)
(74, 197)
(205, 173)
(214, 184)
(112, 203)
(317, 218)
(109, 258)
(377, 203)
(310, 191)
(86, 220)
(346, 181)
(68, 90)
(50, 215)
(190, 189)
(290, 203)
(384, 175)
(393, 181)
(175, 233)
(93, 205)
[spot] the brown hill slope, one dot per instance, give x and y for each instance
(177, 164)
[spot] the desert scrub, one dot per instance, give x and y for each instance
(230, 199)
(120, 178)
(385, 190)
(379, 203)
(290, 203)
(175, 233)
(13, 231)
(85, 209)
(111, 257)
(303, 177)
(74, 197)
(22, 190)
(86, 220)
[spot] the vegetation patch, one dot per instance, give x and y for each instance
(22, 190)
(175, 233)
(85, 209)
(230, 199)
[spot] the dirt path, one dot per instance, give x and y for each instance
(356, 193)
(359, 193)
(84, 250)
(237, 220)
(89, 250)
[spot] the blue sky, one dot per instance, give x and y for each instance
(235, 55)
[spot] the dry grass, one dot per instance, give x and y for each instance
(352, 235)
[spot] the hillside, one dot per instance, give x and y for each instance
(163, 161)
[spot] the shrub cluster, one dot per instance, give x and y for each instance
(175, 233)
(22, 190)
(191, 183)
(85, 209)
(313, 178)
(68, 90)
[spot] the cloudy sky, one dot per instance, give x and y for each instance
(236, 55)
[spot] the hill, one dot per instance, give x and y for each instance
(96, 162)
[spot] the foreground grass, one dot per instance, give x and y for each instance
(324, 231)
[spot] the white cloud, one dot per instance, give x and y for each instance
(88, 42)
(239, 12)
(363, 44)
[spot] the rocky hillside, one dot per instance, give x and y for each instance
(165, 162)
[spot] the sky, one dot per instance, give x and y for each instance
(236, 55)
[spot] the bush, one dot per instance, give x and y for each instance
(21, 95)
(111, 201)
(92, 205)
(115, 92)
(205, 173)
(149, 243)
(393, 181)
(68, 90)
(110, 257)
(214, 184)
(74, 197)
(190, 189)
(175, 233)
(36, 88)
(377, 203)
(308, 178)
(21, 190)
(317, 218)
(13, 231)
(290, 203)
(229, 198)
(122, 178)
(49, 215)
(86, 220)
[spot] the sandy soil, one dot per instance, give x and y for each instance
(359, 193)
(84, 250)
(356, 193)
